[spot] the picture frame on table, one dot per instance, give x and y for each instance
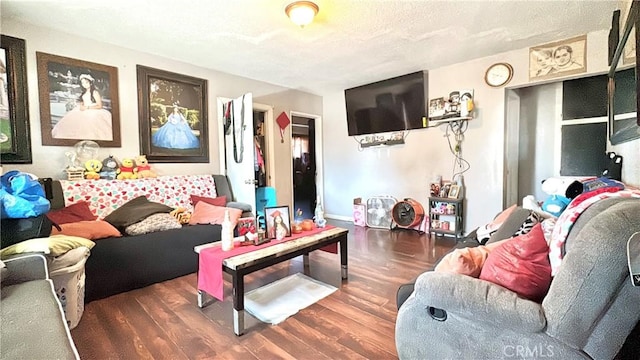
(15, 138)
(172, 112)
(454, 191)
(278, 221)
(78, 101)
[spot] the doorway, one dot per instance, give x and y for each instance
(304, 160)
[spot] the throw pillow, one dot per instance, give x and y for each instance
(55, 245)
(153, 223)
(3, 271)
(134, 211)
(210, 214)
(217, 201)
(75, 212)
(94, 230)
(466, 261)
(521, 265)
(484, 232)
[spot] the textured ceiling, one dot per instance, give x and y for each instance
(351, 42)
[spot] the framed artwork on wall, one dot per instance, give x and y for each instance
(15, 138)
(278, 222)
(78, 101)
(560, 58)
(172, 116)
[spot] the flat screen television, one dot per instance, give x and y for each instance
(394, 104)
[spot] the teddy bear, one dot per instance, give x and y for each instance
(109, 168)
(143, 167)
(181, 214)
(92, 169)
(127, 170)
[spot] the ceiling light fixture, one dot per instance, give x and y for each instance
(302, 13)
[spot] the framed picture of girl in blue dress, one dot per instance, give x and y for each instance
(78, 101)
(172, 116)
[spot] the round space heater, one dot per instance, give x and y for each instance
(407, 213)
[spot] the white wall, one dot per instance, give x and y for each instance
(405, 170)
(539, 127)
(50, 161)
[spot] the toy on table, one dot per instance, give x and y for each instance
(109, 168)
(127, 170)
(319, 214)
(92, 169)
(144, 169)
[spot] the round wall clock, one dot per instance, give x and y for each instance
(498, 74)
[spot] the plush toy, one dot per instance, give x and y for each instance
(92, 169)
(144, 169)
(556, 188)
(181, 214)
(127, 170)
(109, 168)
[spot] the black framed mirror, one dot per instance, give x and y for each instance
(623, 85)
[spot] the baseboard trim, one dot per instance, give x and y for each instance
(339, 217)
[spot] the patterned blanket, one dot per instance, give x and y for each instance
(104, 196)
(569, 216)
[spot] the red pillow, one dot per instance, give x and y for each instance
(218, 201)
(93, 230)
(73, 213)
(521, 265)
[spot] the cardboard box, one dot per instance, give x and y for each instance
(359, 212)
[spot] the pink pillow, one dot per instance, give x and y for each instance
(92, 229)
(218, 201)
(205, 213)
(466, 261)
(73, 213)
(521, 264)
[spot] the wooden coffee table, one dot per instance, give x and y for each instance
(240, 265)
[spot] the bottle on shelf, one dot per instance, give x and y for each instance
(227, 233)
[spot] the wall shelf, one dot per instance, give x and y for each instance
(447, 120)
(382, 143)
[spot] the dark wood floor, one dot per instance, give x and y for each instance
(163, 321)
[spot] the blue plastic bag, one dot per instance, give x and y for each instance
(22, 196)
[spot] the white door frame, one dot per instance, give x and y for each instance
(318, 155)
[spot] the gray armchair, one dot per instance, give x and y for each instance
(589, 311)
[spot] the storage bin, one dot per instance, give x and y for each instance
(68, 283)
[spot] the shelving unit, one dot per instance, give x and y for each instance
(446, 210)
(382, 143)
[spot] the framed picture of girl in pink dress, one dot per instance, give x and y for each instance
(172, 116)
(78, 101)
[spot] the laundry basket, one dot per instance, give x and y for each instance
(68, 282)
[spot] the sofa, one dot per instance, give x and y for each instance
(589, 311)
(33, 323)
(120, 264)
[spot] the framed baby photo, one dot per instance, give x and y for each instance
(78, 101)
(172, 115)
(278, 222)
(15, 138)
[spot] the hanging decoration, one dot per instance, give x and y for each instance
(282, 121)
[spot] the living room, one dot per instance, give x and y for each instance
(400, 171)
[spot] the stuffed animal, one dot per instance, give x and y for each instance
(181, 214)
(92, 169)
(109, 168)
(144, 169)
(127, 170)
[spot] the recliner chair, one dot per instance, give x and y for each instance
(589, 311)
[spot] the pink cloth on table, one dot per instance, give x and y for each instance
(210, 261)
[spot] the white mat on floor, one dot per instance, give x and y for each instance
(275, 302)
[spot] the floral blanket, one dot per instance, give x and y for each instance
(104, 196)
(569, 216)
